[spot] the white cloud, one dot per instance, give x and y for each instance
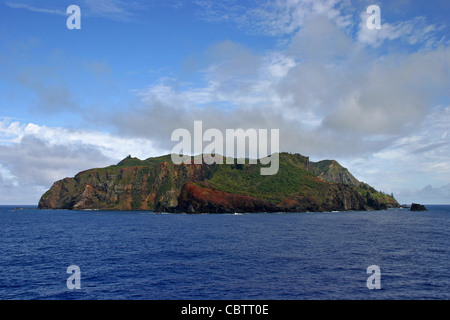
(110, 146)
(14, 5)
(6, 177)
(412, 160)
(281, 17)
(33, 157)
(112, 9)
(117, 10)
(412, 32)
(279, 65)
(328, 91)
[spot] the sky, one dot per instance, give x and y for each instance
(375, 100)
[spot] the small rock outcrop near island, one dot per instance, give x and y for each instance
(418, 207)
(160, 185)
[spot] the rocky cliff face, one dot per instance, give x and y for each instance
(123, 187)
(157, 184)
(332, 171)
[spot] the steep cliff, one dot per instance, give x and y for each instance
(158, 184)
(332, 171)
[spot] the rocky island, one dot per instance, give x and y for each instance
(418, 207)
(160, 185)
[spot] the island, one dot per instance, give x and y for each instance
(157, 184)
(418, 207)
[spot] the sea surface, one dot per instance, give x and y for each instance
(294, 256)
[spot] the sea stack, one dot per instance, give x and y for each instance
(418, 207)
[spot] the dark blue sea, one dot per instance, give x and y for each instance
(295, 256)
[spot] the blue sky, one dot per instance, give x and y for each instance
(375, 100)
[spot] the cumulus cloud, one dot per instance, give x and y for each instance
(36, 162)
(393, 95)
(29, 168)
(413, 160)
(328, 93)
(111, 146)
(33, 157)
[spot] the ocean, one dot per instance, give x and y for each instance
(270, 256)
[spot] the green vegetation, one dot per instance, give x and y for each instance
(364, 189)
(292, 178)
(130, 162)
(322, 166)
